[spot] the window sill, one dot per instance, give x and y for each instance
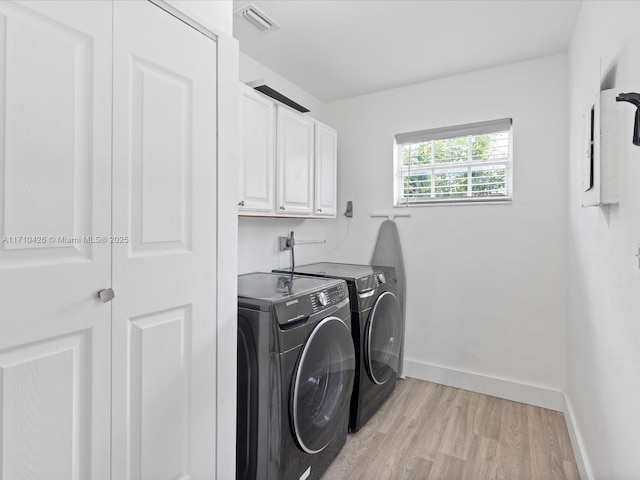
(448, 203)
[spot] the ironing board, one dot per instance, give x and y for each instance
(388, 253)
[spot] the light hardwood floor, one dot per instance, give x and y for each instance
(427, 431)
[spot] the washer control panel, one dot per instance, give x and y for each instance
(328, 296)
(323, 299)
(295, 308)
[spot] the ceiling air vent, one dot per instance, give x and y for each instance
(257, 18)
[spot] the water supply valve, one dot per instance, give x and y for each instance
(286, 243)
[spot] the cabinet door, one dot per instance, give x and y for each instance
(326, 170)
(257, 183)
(295, 150)
(164, 188)
(55, 209)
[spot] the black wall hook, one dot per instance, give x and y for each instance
(633, 98)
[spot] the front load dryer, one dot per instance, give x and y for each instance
(296, 368)
(377, 329)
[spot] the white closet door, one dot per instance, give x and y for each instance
(164, 201)
(55, 198)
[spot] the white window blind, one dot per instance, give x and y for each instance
(460, 164)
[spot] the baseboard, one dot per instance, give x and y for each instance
(584, 469)
(496, 387)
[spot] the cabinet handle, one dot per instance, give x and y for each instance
(281, 207)
(106, 295)
(319, 210)
(241, 203)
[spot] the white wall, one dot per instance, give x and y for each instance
(603, 350)
(258, 242)
(216, 15)
(226, 255)
(486, 284)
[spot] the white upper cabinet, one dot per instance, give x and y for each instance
(295, 151)
(287, 161)
(326, 155)
(257, 183)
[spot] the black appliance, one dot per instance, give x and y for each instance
(376, 327)
(296, 367)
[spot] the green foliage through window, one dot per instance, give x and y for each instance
(469, 167)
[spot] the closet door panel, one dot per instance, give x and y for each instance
(161, 160)
(160, 368)
(55, 220)
(164, 189)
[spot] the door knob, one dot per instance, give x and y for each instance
(106, 295)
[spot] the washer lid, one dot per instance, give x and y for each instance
(362, 276)
(261, 290)
(336, 270)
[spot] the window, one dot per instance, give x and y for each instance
(461, 164)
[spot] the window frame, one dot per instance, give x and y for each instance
(444, 133)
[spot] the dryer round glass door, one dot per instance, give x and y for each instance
(322, 385)
(382, 339)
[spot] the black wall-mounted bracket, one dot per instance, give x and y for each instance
(349, 212)
(633, 98)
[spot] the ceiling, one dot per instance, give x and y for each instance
(336, 49)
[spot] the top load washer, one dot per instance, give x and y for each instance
(296, 367)
(377, 329)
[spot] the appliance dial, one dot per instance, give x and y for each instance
(323, 299)
(381, 278)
